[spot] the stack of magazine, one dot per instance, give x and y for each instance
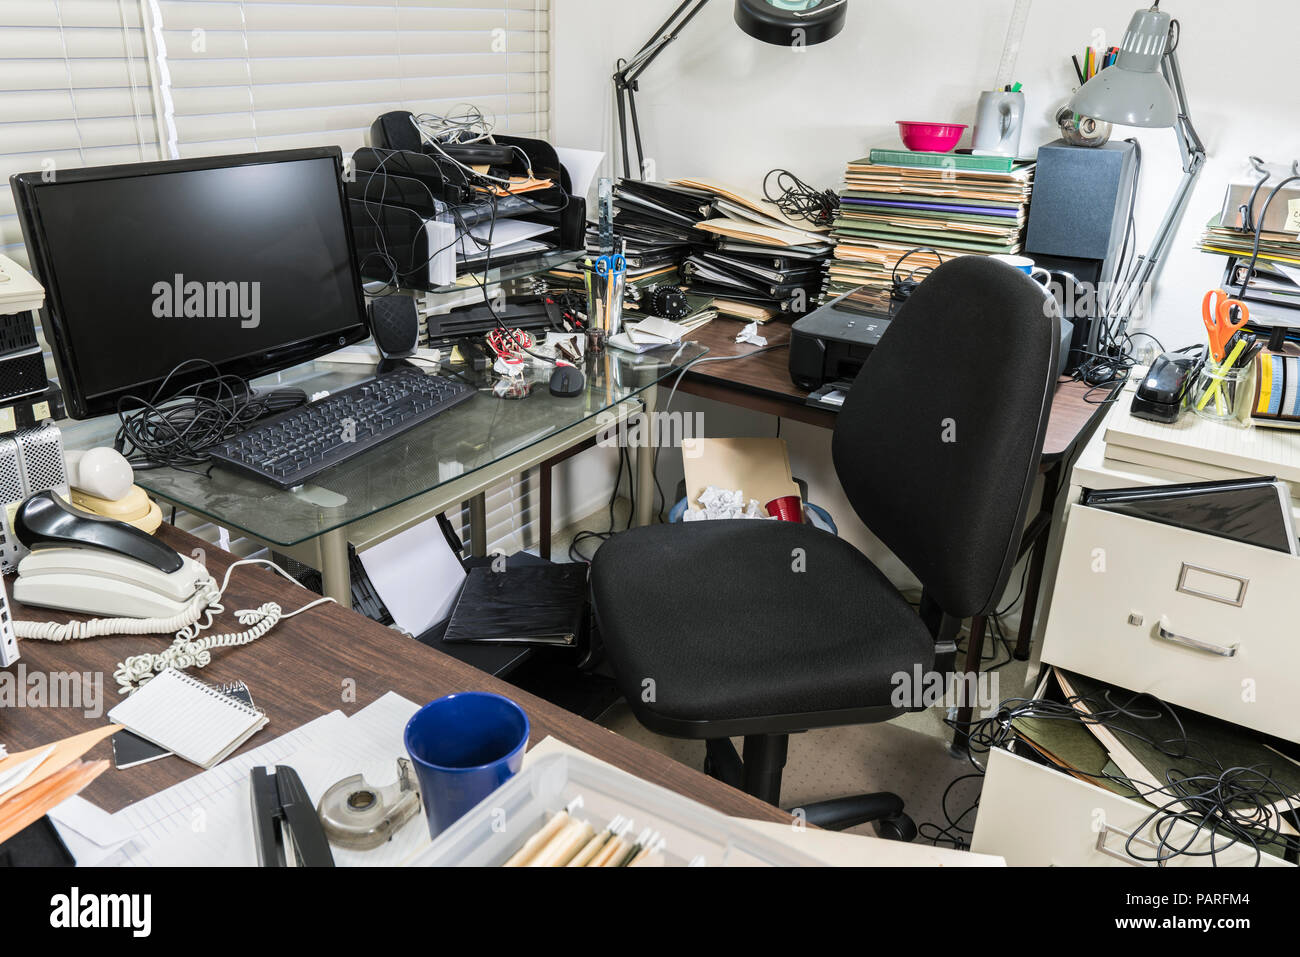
(895, 201)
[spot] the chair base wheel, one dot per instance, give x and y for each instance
(900, 827)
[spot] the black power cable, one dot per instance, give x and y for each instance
(177, 427)
(797, 200)
(1237, 806)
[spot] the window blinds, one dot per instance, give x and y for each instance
(74, 91)
(244, 75)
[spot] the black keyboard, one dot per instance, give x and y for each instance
(292, 448)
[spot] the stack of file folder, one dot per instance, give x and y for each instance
(1273, 289)
(895, 201)
(759, 263)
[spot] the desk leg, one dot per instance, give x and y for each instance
(478, 525)
(544, 536)
(1051, 483)
(645, 462)
(966, 709)
(335, 573)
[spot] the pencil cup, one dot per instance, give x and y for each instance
(464, 747)
(605, 290)
(1222, 390)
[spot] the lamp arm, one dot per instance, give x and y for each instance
(625, 77)
(1147, 267)
(1193, 148)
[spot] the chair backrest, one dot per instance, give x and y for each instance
(938, 443)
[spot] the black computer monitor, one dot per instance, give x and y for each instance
(245, 261)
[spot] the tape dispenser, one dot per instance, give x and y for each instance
(359, 816)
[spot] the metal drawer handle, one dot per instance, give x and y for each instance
(1195, 643)
(1122, 855)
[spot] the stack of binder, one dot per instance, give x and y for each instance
(656, 222)
(895, 201)
(760, 262)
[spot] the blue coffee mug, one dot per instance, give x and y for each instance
(464, 747)
(1026, 266)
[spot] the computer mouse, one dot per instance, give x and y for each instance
(567, 381)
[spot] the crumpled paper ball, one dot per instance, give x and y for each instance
(724, 503)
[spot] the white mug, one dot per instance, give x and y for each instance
(1028, 267)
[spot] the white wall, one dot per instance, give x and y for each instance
(720, 104)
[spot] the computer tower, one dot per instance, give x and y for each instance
(31, 461)
(1078, 216)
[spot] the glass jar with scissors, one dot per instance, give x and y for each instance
(606, 283)
(1225, 377)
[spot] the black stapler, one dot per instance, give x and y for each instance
(286, 829)
(1162, 395)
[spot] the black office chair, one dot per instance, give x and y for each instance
(759, 629)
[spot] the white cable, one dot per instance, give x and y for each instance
(184, 652)
(187, 650)
(445, 127)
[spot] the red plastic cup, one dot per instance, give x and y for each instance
(788, 508)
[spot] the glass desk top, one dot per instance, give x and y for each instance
(465, 439)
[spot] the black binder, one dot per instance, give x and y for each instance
(522, 605)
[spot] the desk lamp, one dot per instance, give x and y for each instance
(780, 22)
(1144, 88)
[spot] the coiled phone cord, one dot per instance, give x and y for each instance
(204, 603)
(187, 650)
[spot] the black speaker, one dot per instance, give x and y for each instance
(395, 131)
(395, 324)
(1078, 216)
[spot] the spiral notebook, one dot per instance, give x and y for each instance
(194, 720)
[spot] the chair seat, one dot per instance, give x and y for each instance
(722, 628)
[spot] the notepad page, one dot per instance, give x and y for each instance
(182, 714)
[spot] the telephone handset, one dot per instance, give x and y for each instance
(97, 582)
(82, 562)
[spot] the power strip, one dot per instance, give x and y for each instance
(8, 640)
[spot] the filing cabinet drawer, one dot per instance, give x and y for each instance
(1036, 816)
(1199, 621)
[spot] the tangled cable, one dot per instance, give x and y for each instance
(1236, 806)
(797, 200)
(190, 652)
(177, 427)
(187, 649)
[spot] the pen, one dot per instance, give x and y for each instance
(1078, 69)
(1216, 389)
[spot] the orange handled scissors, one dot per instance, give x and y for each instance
(1220, 323)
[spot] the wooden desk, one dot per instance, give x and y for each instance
(325, 659)
(762, 384)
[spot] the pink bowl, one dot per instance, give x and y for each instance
(930, 137)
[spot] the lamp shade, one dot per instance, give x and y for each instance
(1133, 91)
(791, 22)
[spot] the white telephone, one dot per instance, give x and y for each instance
(98, 582)
(81, 562)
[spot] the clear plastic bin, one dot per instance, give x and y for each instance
(694, 834)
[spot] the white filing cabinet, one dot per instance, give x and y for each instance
(1199, 621)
